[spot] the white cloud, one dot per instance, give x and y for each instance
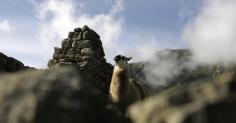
(58, 17)
(22, 46)
(5, 26)
(143, 51)
(117, 8)
(30, 53)
(212, 34)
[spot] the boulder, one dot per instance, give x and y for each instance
(70, 34)
(77, 29)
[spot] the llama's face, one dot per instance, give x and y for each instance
(122, 61)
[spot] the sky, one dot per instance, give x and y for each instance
(30, 29)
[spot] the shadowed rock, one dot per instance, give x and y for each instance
(9, 64)
(49, 96)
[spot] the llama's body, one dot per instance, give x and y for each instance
(124, 90)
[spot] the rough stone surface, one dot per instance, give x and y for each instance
(51, 96)
(208, 101)
(9, 64)
(83, 49)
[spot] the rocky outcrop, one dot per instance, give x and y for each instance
(83, 49)
(207, 101)
(9, 64)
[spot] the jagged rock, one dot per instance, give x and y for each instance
(77, 29)
(80, 36)
(70, 34)
(84, 50)
(13, 65)
(208, 101)
(85, 28)
(66, 43)
(9, 64)
(87, 51)
(3, 60)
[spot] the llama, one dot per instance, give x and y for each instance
(124, 90)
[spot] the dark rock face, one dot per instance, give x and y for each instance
(50, 96)
(207, 101)
(9, 64)
(83, 49)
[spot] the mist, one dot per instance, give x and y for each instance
(211, 35)
(165, 66)
(210, 38)
(158, 66)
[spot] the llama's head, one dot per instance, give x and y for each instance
(122, 61)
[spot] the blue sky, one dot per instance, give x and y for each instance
(135, 22)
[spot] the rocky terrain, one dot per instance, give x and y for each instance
(75, 88)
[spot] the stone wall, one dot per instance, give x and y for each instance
(83, 49)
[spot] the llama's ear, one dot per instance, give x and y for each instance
(129, 58)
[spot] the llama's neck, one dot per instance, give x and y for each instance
(120, 83)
